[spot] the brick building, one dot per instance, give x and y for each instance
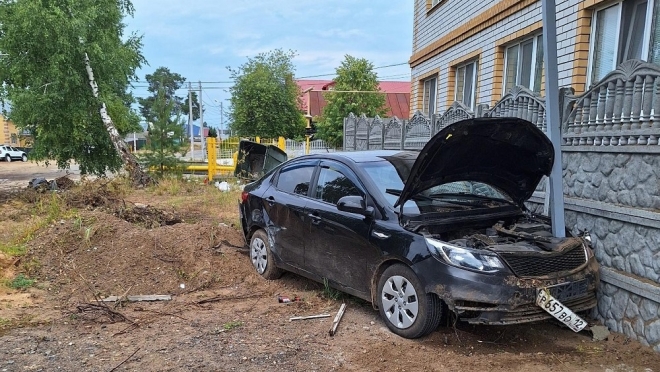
(474, 51)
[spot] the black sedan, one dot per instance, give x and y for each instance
(422, 234)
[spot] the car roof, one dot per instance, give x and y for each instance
(367, 156)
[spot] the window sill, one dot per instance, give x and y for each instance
(432, 9)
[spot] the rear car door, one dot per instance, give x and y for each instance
(284, 204)
(338, 246)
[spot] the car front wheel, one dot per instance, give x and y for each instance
(407, 310)
(262, 257)
(24, 157)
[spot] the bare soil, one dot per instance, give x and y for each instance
(222, 316)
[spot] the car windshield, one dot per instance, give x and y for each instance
(389, 177)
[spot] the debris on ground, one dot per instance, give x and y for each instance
(286, 300)
(309, 317)
(138, 298)
(335, 323)
(599, 333)
(42, 184)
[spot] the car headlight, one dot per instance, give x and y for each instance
(466, 258)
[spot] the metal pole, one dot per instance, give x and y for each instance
(134, 142)
(552, 116)
(201, 123)
(190, 122)
(222, 120)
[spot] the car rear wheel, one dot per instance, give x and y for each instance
(24, 157)
(262, 257)
(404, 306)
(8, 158)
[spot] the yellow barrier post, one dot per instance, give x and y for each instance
(281, 143)
(212, 156)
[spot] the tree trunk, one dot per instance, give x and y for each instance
(137, 175)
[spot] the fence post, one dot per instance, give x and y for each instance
(343, 145)
(257, 139)
(403, 134)
(281, 143)
(212, 154)
(369, 129)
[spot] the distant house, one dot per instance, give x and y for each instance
(12, 136)
(397, 97)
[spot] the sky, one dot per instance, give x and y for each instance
(199, 39)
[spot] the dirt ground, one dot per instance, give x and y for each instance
(180, 239)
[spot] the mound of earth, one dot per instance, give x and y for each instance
(115, 257)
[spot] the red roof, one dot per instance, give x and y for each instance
(397, 97)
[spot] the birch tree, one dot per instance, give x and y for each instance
(65, 70)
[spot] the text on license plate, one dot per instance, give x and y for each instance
(559, 311)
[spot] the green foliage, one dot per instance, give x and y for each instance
(213, 133)
(354, 74)
(164, 135)
(265, 97)
(44, 79)
(169, 82)
(21, 282)
(11, 249)
(231, 325)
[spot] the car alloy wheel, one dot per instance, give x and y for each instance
(407, 310)
(262, 257)
(24, 157)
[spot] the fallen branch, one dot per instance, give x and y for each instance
(125, 360)
(309, 317)
(223, 298)
(335, 323)
(102, 309)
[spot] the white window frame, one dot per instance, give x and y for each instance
(650, 5)
(532, 79)
(475, 68)
(426, 100)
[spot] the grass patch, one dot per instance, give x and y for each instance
(13, 250)
(232, 325)
(21, 282)
(331, 293)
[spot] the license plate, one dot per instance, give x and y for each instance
(562, 313)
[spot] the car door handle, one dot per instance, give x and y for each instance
(316, 219)
(270, 200)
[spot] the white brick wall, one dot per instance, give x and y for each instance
(454, 13)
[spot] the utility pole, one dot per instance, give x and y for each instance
(222, 121)
(549, 13)
(190, 122)
(201, 124)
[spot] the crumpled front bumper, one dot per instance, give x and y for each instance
(500, 299)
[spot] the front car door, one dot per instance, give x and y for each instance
(284, 204)
(338, 247)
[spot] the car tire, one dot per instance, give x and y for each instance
(24, 158)
(262, 257)
(404, 306)
(8, 158)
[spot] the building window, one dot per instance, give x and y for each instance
(524, 64)
(466, 83)
(621, 32)
(428, 100)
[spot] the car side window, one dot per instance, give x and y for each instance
(333, 185)
(295, 179)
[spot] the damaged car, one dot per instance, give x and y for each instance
(424, 234)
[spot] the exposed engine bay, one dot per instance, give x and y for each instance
(527, 233)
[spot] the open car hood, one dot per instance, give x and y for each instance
(509, 153)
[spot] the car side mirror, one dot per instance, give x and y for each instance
(355, 204)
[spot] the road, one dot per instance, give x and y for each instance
(17, 174)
